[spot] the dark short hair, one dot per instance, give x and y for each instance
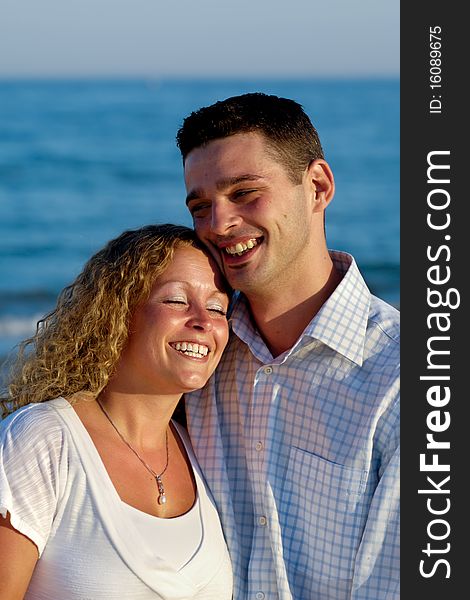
(289, 133)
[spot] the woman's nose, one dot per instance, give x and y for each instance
(200, 319)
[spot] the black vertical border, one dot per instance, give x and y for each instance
(423, 132)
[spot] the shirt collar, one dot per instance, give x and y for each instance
(341, 322)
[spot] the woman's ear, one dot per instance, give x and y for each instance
(321, 182)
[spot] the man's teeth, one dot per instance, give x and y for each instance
(196, 350)
(241, 247)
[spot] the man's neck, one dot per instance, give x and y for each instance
(281, 317)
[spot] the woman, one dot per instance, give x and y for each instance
(100, 493)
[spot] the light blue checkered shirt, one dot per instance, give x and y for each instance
(301, 452)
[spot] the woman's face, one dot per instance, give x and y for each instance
(176, 338)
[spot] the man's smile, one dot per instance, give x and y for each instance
(241, 247)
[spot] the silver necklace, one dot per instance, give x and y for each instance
(158, 478)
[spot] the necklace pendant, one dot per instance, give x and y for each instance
(161, 499)
(161, 491)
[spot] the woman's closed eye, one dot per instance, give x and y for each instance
(175, 301)
(217, 309)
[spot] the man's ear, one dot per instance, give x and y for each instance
(321, 182)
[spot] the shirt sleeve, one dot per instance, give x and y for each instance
(377, 568)
(31, 462)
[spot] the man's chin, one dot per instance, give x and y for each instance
(240, 277)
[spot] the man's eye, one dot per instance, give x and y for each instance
(241, 193)
(198, 209)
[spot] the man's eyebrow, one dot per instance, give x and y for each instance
(223, 184)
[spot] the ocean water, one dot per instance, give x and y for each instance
(80, 161)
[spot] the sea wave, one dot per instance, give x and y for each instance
(17, 327)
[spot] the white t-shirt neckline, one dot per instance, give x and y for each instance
(155, 571)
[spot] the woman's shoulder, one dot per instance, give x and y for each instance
(34, 423)
(185, 438)
(182, 431)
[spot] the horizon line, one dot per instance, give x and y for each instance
(195, 78)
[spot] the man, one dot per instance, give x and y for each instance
(298, 431)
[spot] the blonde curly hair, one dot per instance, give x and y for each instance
(76, 347)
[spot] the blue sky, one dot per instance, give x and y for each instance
(199, 38)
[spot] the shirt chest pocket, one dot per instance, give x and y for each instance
(323, 511)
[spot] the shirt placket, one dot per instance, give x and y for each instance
(262, 567)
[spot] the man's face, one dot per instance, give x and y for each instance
(255, 221)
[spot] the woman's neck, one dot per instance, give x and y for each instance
(142, 420)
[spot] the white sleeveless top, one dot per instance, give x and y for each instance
(91, 544)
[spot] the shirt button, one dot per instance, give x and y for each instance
(259, 446)
(268, 370)
(262, 521)
(259, 596)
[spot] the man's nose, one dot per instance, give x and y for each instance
(224, 216)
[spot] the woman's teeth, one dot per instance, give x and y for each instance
(189, 349)
(241, 247)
